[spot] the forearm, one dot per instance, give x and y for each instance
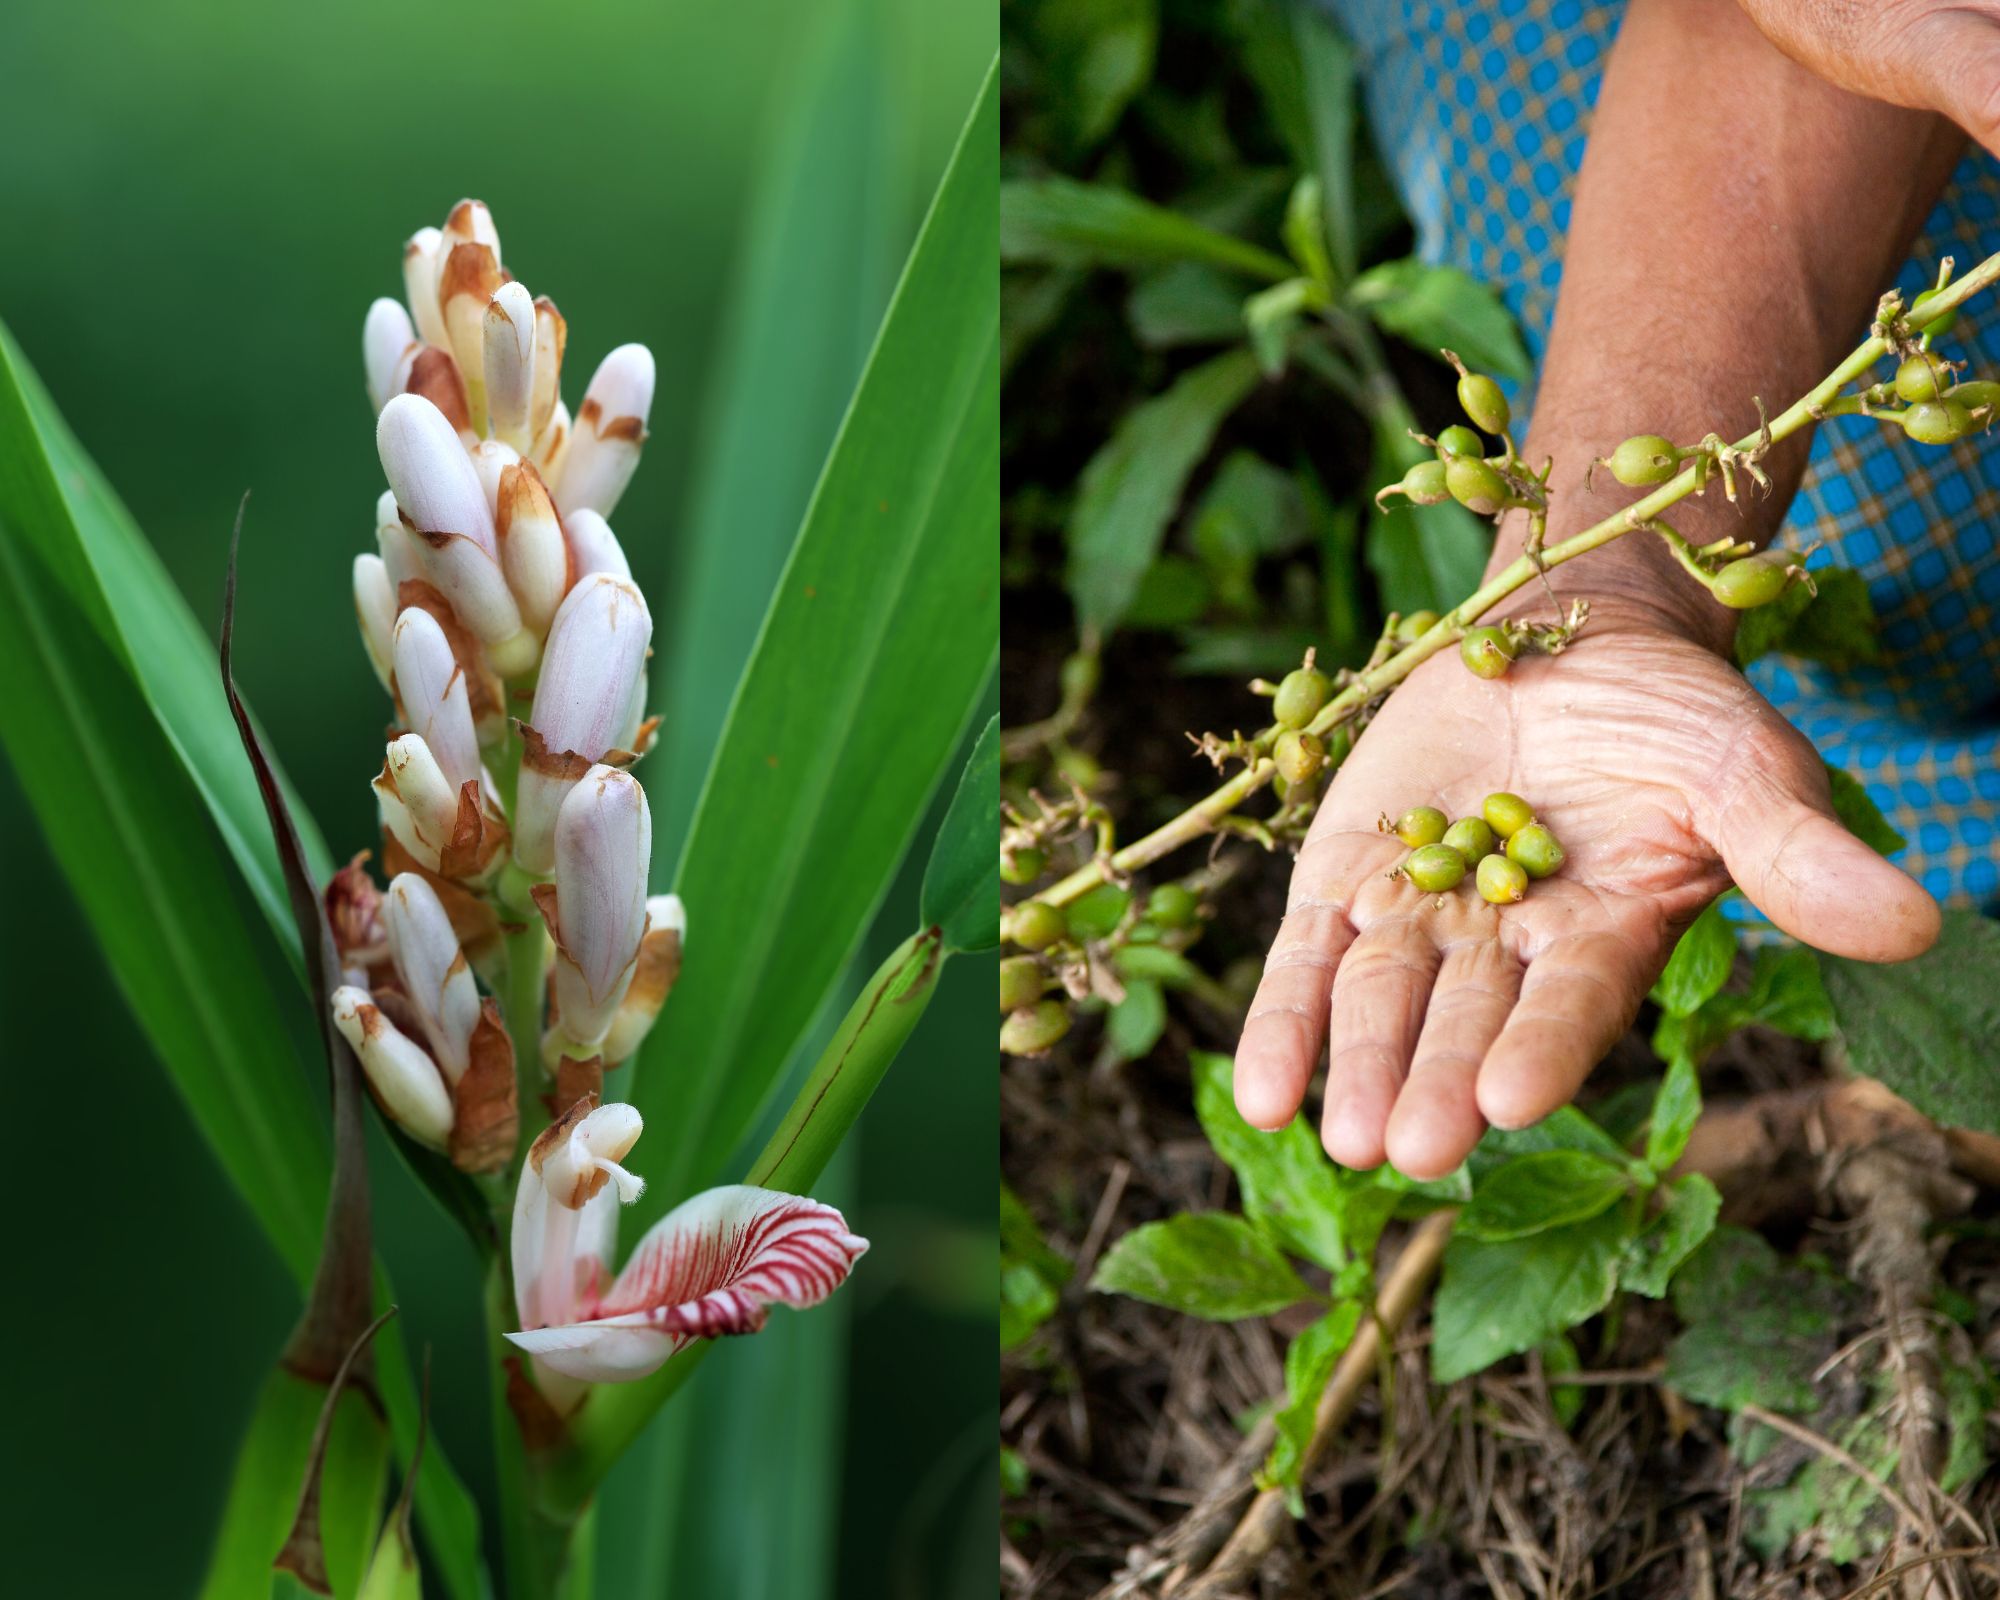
(1733, 224)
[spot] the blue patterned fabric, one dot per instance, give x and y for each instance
(1481, 108)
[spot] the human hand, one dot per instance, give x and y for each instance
(1930, 55)
(1663, 773)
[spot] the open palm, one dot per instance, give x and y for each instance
(1665, 776)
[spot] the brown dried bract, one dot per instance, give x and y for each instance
(354, 912)
(485, 1118)
(537, 757)
(559, 1130)
(478, 836)
(469, 269)
(435, 376)
(542, 1426)
(578, 1080)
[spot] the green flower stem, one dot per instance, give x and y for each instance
(1205, 815)
(538, 1541)
(527, 950)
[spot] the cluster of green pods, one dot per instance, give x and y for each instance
(1503, 847)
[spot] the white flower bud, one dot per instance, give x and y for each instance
(438, 491)
(551, 340)
(387, 342)
(490, 459)
(533, 553)
(603, 850)
(610, 427)
(509, 356)
(659, 965)
(392, 539)
(421, 256)
(552, 443)
(433, 971)
(436, 705)
(592, 668)
(593, 546)
(375, 607)
(435, 376)
(471, 223)
(405, 1079)
(469, 278)
(418, 802)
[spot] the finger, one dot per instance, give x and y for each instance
(1437, 1120)
(1379, 995)
(1802, 868)
(1287, 1022)
(1580, 994)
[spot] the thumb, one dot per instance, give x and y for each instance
(1959, 65)
(1799, 865)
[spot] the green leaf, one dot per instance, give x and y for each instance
(1683, 1223)
(1288, 1183)
(1836, 626)
(1559, 1358)
(1309, 1362)
(1263, 500)
(1757, 1326)
(1168, 968)
(1173, 593)
(1860, 815)
(1096, 55)
(1927, 1027)
(1443, 308)
(66, 518)
(1549, 1189)
(961, 893)
(1132, 486)
(1563, 1129)
(1498, 1299)
(1675, 1109)
(1186, 304)
(1060, 222)
(1425, 558)
(879, 639)
(1031, 1274)
(1788, 994)
(1204, 1263)
(1271, 317)
(1137, 1021)
(1327, 71)
(1700, 964)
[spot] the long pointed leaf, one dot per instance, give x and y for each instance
(883, 630)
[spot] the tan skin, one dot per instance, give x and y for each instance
(1713, 255)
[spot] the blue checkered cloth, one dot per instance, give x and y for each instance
(1481, 109)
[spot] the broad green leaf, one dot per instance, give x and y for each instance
(1927, 1027)
(1060, 222)
(1135, 1023)
(1700, 964)
(1185, 304)
(1836, 626)
(1675, 1109)
(1031, 1274)
(1563, 1129)
(1096, 54)
(1860, 815)
(1424, 558)
(1172, 593)
(1132, 487)
(1758, 1326)
(1271, 317)
(65, 517)
(1204, 1263)
(1309, 1362)
(878, 641)
(1443, 308)
(1549, 1189)
(1287, 1181)
(1788, 994)
(1496, 1300)
(1261, 499)
(1686, 1220)
(1168, 968)
(1327, 74)
(1304, 231)
(961, 893)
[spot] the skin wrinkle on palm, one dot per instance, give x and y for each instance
(1720, 783)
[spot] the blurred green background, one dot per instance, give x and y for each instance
(198, 203)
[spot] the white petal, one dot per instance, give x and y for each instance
(594, 547)
(566, 1211)
(600, 1352)
(467, 280)
(533, 553)
(433, 970)
(404, 1077)
(420, 284)
(386, 342)
(551, 340)
(603, 848)
(610, 428)
(490, 461)
(375, 607)
(430, 685)
(509, 355)
(552, 442)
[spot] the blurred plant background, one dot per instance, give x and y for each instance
(200, 203)
(1216, 338)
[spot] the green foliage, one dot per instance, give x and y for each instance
(1675, 1110)
(1424, 558)
(1699, 966)
(878, 642)
(961, 892)
(1757, 1325)
(1309, 1362)
(1099, 54)
(1032, 1275)
(1926, 1027)
(1443, 307)
(1060, 222)
(1133, 485)
(1205, 1263)
(1497, 1300)
(1785, 994)
(1289, 1186)
(1836, 626)
(1137, 1021)
(1535, 1193)
(1861, 816)
(1665, 1243)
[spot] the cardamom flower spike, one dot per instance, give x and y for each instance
(711, 1267)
